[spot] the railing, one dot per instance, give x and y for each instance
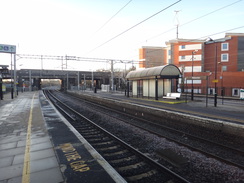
(221, 91)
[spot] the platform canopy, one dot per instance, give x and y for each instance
(169, 71)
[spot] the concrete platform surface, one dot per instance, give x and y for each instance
(25, 156)
(38, 145)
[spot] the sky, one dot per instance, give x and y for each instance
(108, 29)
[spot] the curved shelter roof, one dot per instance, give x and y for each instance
(165, 72)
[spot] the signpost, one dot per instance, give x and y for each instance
(5, 48)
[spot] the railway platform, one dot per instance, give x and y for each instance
(227, 117)
(227, 109)
(38, 145)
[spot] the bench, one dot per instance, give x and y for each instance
(172, 96)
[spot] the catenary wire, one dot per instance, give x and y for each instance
(113, 16)
(133, 26)
(74, 58)
(204, 37)
(196, 19)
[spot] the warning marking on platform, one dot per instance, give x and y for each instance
(76, 162)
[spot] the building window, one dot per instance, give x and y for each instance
(169, 52)
(224, 68)
(183, 46)
(235, 92)
(183, 57)
(225, 57)
(224, 46)
(169, 61)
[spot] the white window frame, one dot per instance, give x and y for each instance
(224, 49)
(195, 69)
(225, 60)
(169, 52)
(233, 92)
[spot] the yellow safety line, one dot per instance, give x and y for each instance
(26, 169)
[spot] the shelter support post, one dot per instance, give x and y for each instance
(128, 88)
(156, 88)
(163, 88)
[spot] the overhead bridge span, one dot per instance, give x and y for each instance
(33, 77)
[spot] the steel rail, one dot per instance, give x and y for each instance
(176, 131)
(58, 104)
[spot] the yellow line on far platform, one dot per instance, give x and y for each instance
(167, 102)
(26, 168)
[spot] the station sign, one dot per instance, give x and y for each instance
(4, 48)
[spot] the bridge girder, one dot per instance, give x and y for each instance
(64, 75)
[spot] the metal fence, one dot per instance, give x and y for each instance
(221, 91)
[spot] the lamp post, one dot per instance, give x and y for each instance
(67, 84)
(215, 68)
(92, 80)
(112, 75)
(221, 77)
(78, 83)
(30, 83)
(215, 76)
(84, 82)
(192, 90)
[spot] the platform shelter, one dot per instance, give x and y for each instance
(153, 82)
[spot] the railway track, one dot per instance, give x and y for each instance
(130, 163)
(222, 152)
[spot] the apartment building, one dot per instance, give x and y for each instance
(152, 56)
(206, 66)
(224, 60)
(187, 54)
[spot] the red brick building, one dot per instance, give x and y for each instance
(224, 58)
(188, 56)
(216, 63)
(152, 56)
